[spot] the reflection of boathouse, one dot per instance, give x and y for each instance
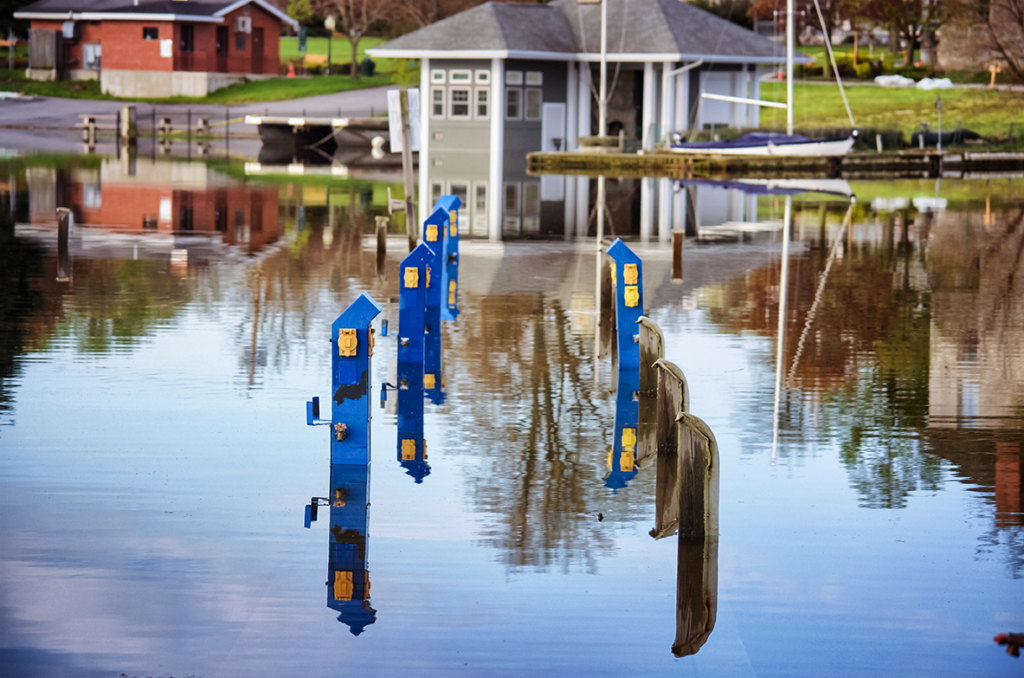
(164, 198)
(504, 79)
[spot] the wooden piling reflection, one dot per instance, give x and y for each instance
(63, 246)
(677, 255)
(696, 594)
(606, 318)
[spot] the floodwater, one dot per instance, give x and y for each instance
(155, 462)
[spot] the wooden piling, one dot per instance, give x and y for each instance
(677, 255)
(652, 349)
(382, 246)
(696, 594)
(606, 317)
(673, 398)
(698, 478)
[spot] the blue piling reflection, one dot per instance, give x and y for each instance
(412, 312)
(628, 288)
(622, 458)
(348, 578)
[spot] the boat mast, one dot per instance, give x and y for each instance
(789, 66)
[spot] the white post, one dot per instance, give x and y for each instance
(602, 122)
(583, 127)
(424, 157)
(668, 100)
(646, 209)
(496, 174)
(648, 114)
(571, 104)
(789, 66)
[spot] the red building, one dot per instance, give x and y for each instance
(154, 48)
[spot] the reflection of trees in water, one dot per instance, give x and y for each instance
(538, 431)
(862, 375)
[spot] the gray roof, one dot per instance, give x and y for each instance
(127, 9)
(636, 27)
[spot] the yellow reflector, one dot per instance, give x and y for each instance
(408, 450)
(632, 296)
(347, 342)
(429, 381)
(412, 277)
(628, 439)
(629, 274)
(431, 232)
(343, 585)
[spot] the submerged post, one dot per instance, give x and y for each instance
(677, 255)
(673, 398)
(627, 286)
(450, 275)
(652, 349)
(413, 290)
(435, 230)
(698, 478)
(348, 575)
(352, 341)
(382, 246)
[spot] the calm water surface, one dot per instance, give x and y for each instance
(155, 463)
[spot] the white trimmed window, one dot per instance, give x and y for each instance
(535, 78)
(437, 101)
(460, 77)
(483, 77)
(459, 102)
(513, 77)
(533, 103)
(437, 77)
(482, 103)
(513, 103)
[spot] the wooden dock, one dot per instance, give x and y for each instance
(910, 163)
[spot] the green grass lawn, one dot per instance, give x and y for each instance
(988, 112)
(273, 89)
(341, 50)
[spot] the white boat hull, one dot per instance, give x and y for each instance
(812, 148)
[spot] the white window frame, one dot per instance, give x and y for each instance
(526, 103)
(483, 77)
(434, 102)
(480, 212)
(437, 76)
(513, 77)
(436, 191)
(486, 92)
(452, 103)
(518, 92)
(534, 78)
(460, 77)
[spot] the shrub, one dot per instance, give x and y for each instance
(864, 70)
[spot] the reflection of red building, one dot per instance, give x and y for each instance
(1008, 485)
(154, 48)
(164, 198)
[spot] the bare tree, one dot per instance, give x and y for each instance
(354, 17)
(1005, 21)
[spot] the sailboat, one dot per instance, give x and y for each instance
(774, 143)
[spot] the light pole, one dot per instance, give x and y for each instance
(329, 25)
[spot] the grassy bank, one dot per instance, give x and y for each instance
(274, 89)
(988, 112)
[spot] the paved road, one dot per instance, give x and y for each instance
(53, 117)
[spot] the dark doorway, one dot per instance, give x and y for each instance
(257, 50)
(186, 46)
(222, 49)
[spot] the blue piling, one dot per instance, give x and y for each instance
(628, 290)
(450, 278)
(450, 204)
(348, 578)
(412, 313)
(435, 230)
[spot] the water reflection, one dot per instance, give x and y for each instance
(908, 385)
(348, 576)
